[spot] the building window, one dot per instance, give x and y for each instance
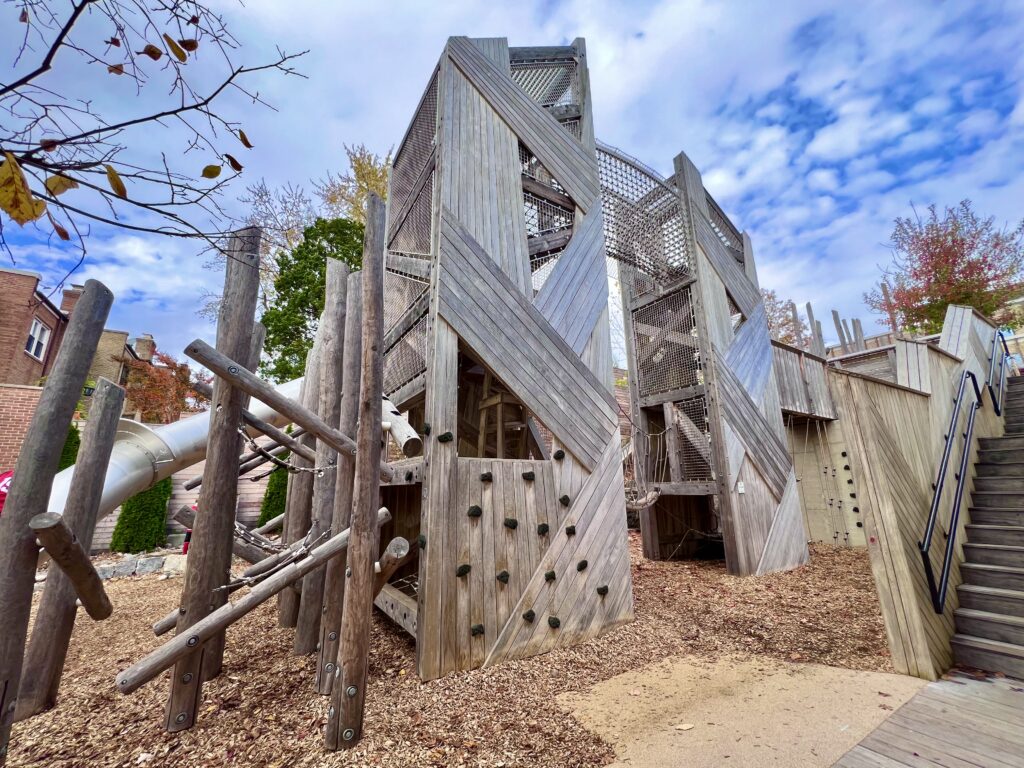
(38, 336)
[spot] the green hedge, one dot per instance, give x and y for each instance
(69, 453)
(274, 497)
(142, 524)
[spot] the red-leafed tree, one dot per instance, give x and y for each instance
(953, 258)
(160, 390)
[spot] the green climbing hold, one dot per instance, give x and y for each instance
(570, 530)
(446, 437)
(475, 511)
(422, 541)
(529, 616)
(502, 577)
(462, 570)
(426, 428)
(549, 576)
(553, 622)
(565, 501)
(477, 629)
(511, 523)
(602, 590)
(486, 477)
(582, 565)
(558, 455)
(542, 529)
(408, 477)
(528, 475)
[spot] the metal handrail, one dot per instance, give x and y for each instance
(997, 400)
(938, 591)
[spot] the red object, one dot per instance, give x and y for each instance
(188, 538)
(5, 487)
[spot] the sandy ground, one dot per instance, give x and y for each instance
(749, 712)
(263, 711)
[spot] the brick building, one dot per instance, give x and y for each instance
(31, 327)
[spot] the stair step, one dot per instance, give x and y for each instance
(994, 554)
(990, 655)
(999, 499)
(1008, 602)
(993, 456)
(1002, 443)
(996, 576)
(1003, 484)
(1009, 469)
(1009, 535)
(996, 516)
(992, 626)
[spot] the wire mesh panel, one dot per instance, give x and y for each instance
(543, 216)
(413, 235)
(644, 223)
(416, 148)
(724, 228)
(400, 291)
(549, 83)
(694, 439)
(530, 166)
(667, 350)
(573, 127)
(407, 358)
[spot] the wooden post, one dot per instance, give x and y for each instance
(797, 335)
(344, 726)
(181, 645)
(817, 344)
(55, 617)
(821, 339)
(858, 335)
(397, 554)
(890, 308)
(407, 438)
(843, 343)
(334, 580)
(332, 324)
(31, 485)
(209, 558)
(73, 561)
(298, 502)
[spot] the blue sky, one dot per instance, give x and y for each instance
(814, 124)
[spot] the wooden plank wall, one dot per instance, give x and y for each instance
(894, 437)
(801, 382)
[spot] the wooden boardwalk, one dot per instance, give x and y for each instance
(957, 722)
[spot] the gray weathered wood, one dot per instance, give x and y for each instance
(332, 324)
(407, 438)
(30, 488)
(396, 554)
(186, 516)
(344, 728)
(55, 616)
(209, 559)
(67, 553)
(273, 524)
(216, 622)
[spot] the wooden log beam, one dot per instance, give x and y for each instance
(182, 644)
(345, 719)
(167, 623)
(209, 559)
(55, 616)
(223, 366)
(332, 325)
(243, 549)
(67, 554)
(31, 485)
(396, 554)
(270, 526)
(334, 581)
(407, 438)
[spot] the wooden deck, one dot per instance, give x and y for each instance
(957, 722)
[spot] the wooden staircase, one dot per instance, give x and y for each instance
(990, 619)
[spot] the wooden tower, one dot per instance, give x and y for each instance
(708, 426)
(497, 345)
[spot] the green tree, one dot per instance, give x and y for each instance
(274, 497)
(142, 524)
(69, 453)
(291, 320)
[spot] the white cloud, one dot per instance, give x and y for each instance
(825, 179)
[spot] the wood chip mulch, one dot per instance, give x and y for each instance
(262, 711)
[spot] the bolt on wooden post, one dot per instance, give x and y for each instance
(30, 489)
(209, 558)
(345, 717)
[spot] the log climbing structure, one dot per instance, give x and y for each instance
(497, 345)
(709, 443)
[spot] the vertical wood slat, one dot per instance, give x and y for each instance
(55, 617)
(332, 325)
(345, 719)
(209, 559)
(30, 489)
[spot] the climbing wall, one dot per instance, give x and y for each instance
(520, 554)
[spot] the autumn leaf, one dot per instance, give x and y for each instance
(48, 145)
(61, 232)
(211, 172)
(152, 51)
(23, 16)
(194, 21)
(57, 185)
(189, 45)
(115, 182)
(16, 198)
(114, 41)
(176, 49)
(234, 163)
(116, 69)
(244, 139)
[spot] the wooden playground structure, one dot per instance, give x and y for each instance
(455, 453)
